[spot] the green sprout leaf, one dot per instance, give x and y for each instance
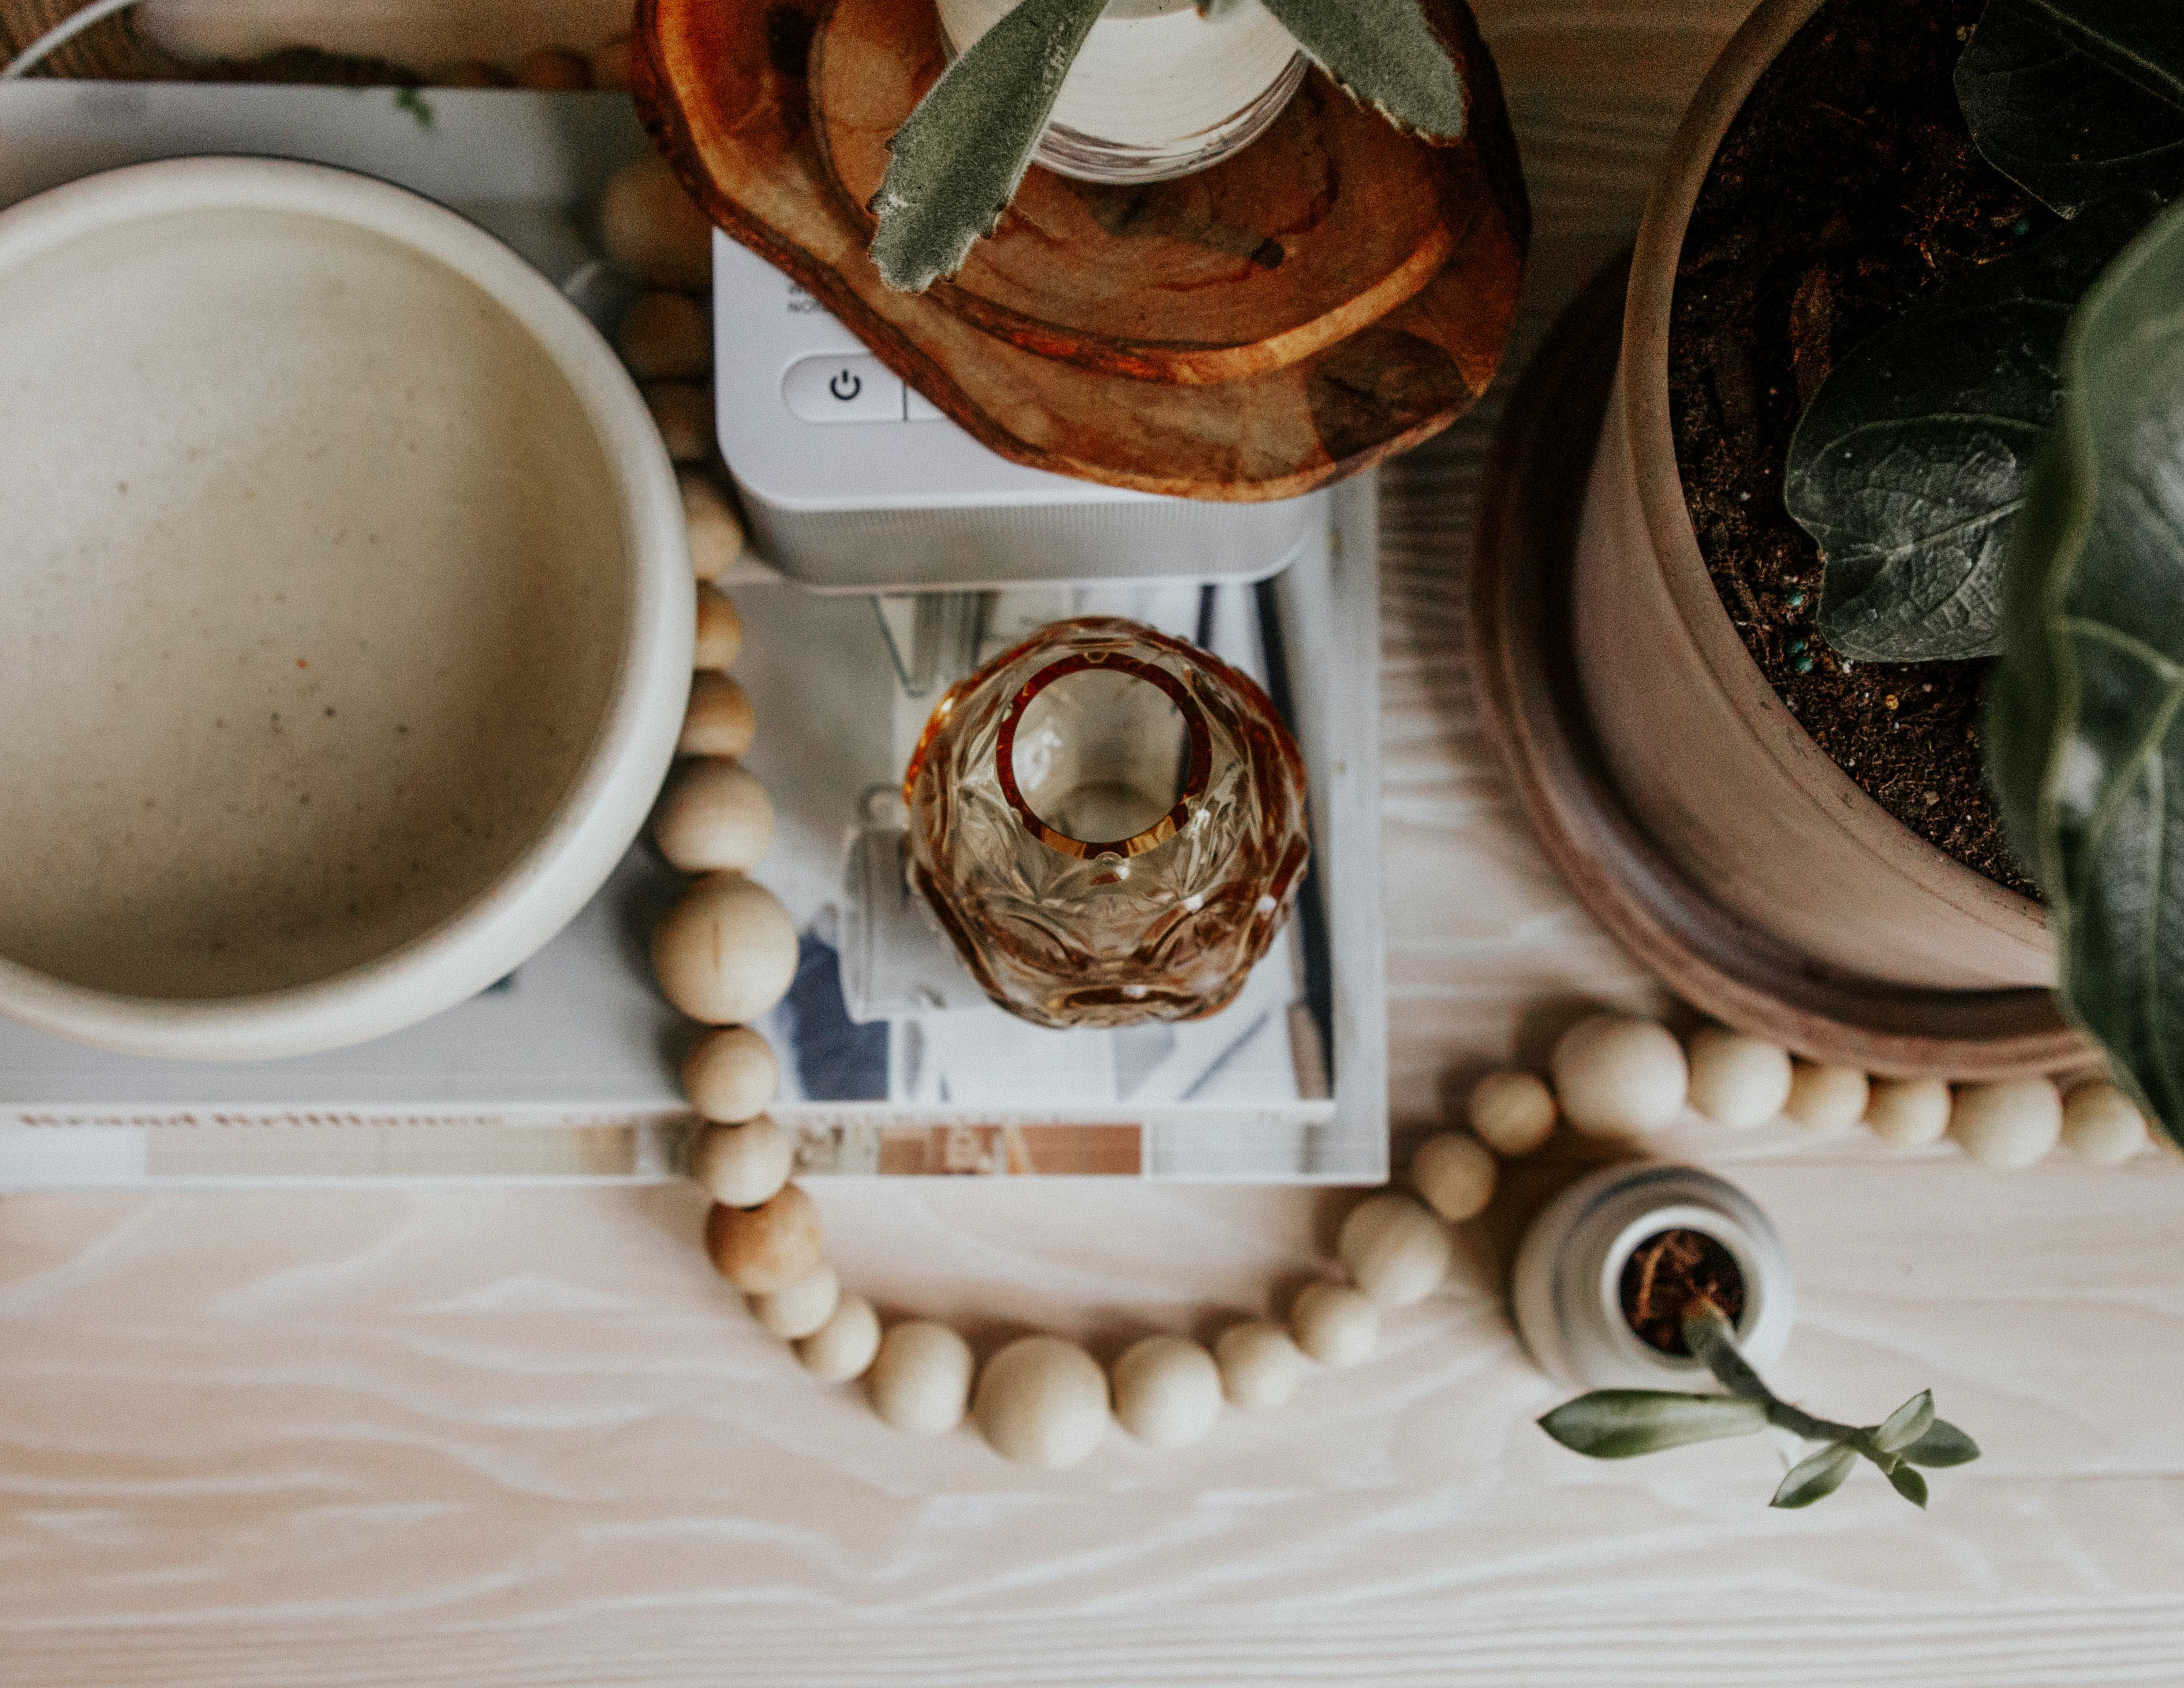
(1943, 1445)
(1907, 1424)
(2075, 99)
(1386, 55)
(2086, 713)
(1816, 1478)
(1908, 1483)
(1617, 1424)
(1910, 464)
(957, 160)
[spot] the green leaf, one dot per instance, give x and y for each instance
(1908, 1483)
(1910, 464)
(1616, 1424)
(1943, 1445)
(1907, 1424)
(2085, 743)
(958, 158)
(1816, 1478)
(2075, 99)
(1386, 55)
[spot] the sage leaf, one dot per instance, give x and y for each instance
(1908, 1483)
(1909, 465)
(959, 158)
(1943, 1445)
(2075, 99)
(1907, 1424)
(1617, 1424)
(1386, 55)
(1818, 1477)
(2085, 745)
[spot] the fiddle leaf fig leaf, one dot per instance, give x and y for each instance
(1943, 1445)
(1617, 1424)
(1907, 1424)
(1910, 465)
(2075, 99)
(1816, 1478)
(958, 158)
(2085, 711)
(1386, 55)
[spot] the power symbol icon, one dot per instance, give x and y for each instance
(846, 386)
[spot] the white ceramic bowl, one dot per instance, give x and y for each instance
(345, 609)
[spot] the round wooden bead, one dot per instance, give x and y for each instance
(744, 1165)
(1909, 1112)
(764, 1250)
(801, 1309)
(1614, 1075)
(727, 952)
(1824, 1098)
(553, 69)
(1456, 1174)
(1042, 1402)
(843, 1348)
(654, 230)
(719, 720)
(715, 533)
(2101, 1125)
(1167, 1391)
(2010, 1124)
(713, 815)
(1395, 1250)
(720, 638)
(731, 1075)
(666, 337)
(921, 1381)
(1260, 1367)
(682, 411)
(1513, 1113)
(1736, 1081)
(1334, 1324)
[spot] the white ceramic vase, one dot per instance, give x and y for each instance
(1157, 90)
(1565, 1288)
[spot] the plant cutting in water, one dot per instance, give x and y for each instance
(2000, 471)
(957, 160)
(1613, 1424)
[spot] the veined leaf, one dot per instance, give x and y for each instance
(1943, 1445)
(1386, 55)
(1907, 1424)
(958, 160)
(2075, 99)
(2086, 736)
(1617, 1424)
(1908, 1483)
(1816, 1478)
(1910, 464)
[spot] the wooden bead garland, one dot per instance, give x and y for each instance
(726, 954)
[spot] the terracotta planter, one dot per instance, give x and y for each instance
(1718, 771)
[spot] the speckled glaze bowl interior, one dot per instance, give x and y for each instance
(346, 621)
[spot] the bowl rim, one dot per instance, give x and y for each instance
(599, 816)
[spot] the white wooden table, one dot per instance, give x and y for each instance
(509, 1436)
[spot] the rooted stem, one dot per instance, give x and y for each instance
(1708, 1335)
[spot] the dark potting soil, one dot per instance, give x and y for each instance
(1847, 188)
(1669, 1273)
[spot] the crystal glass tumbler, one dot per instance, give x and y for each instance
(1109, 823)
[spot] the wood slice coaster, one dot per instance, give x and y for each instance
(722, 85)
(1524, 668)
(1325, 223)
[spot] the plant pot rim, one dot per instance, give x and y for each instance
(1643, 393)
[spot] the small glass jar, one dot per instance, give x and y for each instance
(1157, 90)
(1109, 824)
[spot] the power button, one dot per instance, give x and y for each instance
(856, 387)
